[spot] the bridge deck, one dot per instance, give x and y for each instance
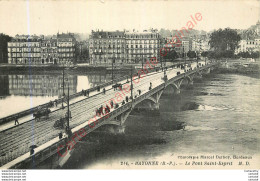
(15, 142)
(29, 117)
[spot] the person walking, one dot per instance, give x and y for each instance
(56, 103)
(139, 91)
(16, 121)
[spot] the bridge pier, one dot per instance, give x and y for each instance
(148, 106)
(177, 91)
(115, 129)
(117, 124)
(173, 88)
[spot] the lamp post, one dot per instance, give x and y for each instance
(63, 94)
(131, 82)
(184, 59)
(164, 67)
(68, 130)
(113, 59)
(142, 62)
(197, 58)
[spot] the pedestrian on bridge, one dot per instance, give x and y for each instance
(16, 121)
(139, 91)
(104, 91)
(111, 103)
(50, 104)
(56, 102)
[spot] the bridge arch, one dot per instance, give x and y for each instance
(172, 88)
(188, 79)
(150, 103)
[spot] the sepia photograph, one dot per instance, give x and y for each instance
(129, 84)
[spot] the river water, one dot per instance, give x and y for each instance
(220, 113)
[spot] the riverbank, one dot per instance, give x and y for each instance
(78, 67)
(239, 66)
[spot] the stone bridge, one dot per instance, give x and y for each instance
(146, 93)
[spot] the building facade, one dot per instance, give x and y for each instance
(249, 45)
(66, 44)
(25, 49)
(122, 47)
(142, 46)
(49, 51)
(107, 47)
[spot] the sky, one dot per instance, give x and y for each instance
(49, 17)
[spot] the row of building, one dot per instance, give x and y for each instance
(186, 44)
(24, 49)
(123, 46)
(104, 47)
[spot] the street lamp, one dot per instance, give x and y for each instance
(197, 58)
(131, 82)
(113, 59)
(68, 112)
(63, 93)
(185, 56)
(142, 62)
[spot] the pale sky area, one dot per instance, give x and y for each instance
(49, 17)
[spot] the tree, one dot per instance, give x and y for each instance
(3, 48)
(191, 54)
(224, 40)
(171, 55)
(248, 55)
(204, 54)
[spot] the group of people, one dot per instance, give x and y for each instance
(117, 85)
(53, 103)
(100, 112)
(126, 100)
(85, 92)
